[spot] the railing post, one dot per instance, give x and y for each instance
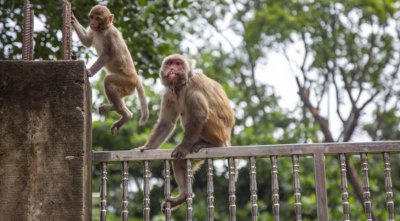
(275, 188)
(167, 190)
(232, 189)
(146, 190)
(296, 187)
(103, 191)
(366, 192)
(345, 193)
(388, 186)
(125, 175)
(320, 186)
(189, 199)
(253, 188)
(210, 189)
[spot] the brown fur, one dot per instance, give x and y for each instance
(203, 109)
(113, 53)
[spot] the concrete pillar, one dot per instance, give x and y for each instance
(45, 141)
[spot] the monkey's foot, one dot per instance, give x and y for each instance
(164, 207)
(143, 148)
(115, 127)
(197, 148)
(180, 152)
(199, 145)
(118, 124)
(174, 203)
(104, 108)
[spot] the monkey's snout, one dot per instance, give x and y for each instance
(172, 76)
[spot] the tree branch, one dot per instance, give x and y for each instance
(322, 122)
(347, 86)
(369, 100)
(338, 99)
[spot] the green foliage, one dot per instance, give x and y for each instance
(351, 44)
(333, 33)
(387, 128)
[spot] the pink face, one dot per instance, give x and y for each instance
(99, 18)
(173, 68)
(95, 22)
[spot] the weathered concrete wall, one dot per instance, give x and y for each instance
(45, 141)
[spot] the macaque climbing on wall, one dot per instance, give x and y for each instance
(113, 54)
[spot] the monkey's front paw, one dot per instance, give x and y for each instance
(179, 152)
(73, 19)
(89, 73)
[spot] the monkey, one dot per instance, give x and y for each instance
(121, 79)
(204, 111)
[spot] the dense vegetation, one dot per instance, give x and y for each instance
(344, 58)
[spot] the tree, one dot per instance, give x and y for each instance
(259, 118)
(348, 57)
(349, 51)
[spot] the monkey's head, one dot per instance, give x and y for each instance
(100, 18)
(175, 71)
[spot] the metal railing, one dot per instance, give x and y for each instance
(295, 151)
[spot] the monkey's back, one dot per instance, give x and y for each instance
(218, 127)
(120, 58)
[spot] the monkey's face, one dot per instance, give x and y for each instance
(175, 71)
(100, 18)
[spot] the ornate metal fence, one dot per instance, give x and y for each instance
(252, 153)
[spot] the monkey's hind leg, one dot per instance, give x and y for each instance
(200, 144)
(103, 109)
(126, 116)
(114, 94)
(179, 167)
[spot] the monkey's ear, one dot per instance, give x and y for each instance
(110, 18)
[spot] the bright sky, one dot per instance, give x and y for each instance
(277, 73)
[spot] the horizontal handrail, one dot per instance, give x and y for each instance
(317, 151)
(255, 150)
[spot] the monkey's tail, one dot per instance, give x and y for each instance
(143, 104)
(196, 164)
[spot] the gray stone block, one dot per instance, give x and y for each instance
(45, 141)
